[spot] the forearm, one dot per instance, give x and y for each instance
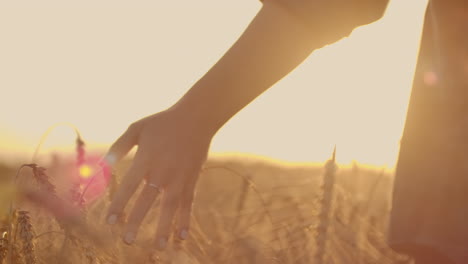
(271, 47)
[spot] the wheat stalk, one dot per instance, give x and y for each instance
(47, 197)
(42, 178)
(80, 151)
(27, 235)
(3, 245)
(16, 256)
(47, 133)
(254, 189)
(90, 254)
(12, 213)
(76, 190)
(326, 205)
(75, 196)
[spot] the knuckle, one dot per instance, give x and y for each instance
(148, 194)
(133, 128)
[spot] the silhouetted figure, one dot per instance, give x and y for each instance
(429, 218)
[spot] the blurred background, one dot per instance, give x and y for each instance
(101, 65)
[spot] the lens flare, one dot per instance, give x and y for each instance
(431, 78)
(86, 171)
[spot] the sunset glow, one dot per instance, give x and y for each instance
(103, 66)
(86, 171)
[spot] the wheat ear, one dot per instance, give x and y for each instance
(16, 256)
(80, 151)
(42, 178)
(76, 192)
(3, 245)
(326, 205)
(26, 234)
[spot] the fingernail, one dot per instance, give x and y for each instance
(112, 219)
(162, 243)
(183, 234)
(110, 158)
(129, 238)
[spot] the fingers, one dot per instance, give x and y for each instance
(143, 204)
(169, 206)
(185, 209)
(185, 212)
(128, 186)
(123, 144)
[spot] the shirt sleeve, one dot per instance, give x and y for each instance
(332, 20)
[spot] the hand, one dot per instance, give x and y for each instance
(171, 152)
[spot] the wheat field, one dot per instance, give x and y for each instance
(248, 209)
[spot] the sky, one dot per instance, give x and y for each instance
(100, 65)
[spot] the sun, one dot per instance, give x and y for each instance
(85, 171)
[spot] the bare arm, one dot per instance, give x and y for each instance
(272, 46)
(173, 144)
(275, 43)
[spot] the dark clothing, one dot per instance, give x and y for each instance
(431, 180)
(430, 198)
(332, 20)
(425, 255)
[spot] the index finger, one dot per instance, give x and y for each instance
(122, 145)
(127, 188)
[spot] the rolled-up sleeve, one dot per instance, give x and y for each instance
(331, 20)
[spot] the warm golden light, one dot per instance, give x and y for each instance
(85, 171)
(104, 66)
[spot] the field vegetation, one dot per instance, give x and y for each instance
(248, 209)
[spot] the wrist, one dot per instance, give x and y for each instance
(195, 118)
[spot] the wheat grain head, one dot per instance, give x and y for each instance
(26, 234)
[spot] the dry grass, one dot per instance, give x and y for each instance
(248, 209)
(3, 245)
(26, 235)
(326, 203)
(16, 256)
